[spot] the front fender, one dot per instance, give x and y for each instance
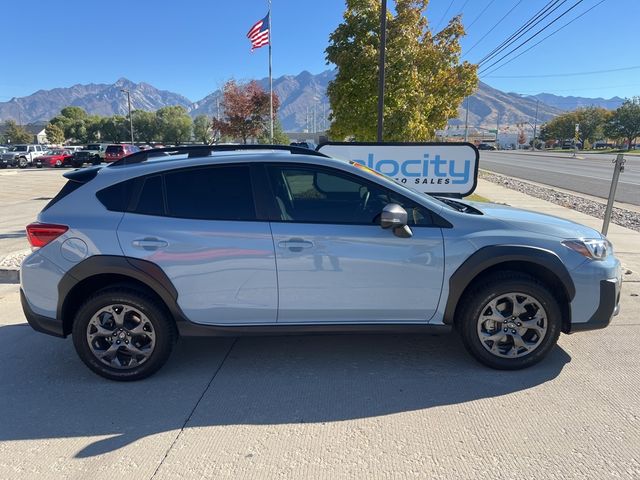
(493, 255)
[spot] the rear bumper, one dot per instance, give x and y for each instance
(608, 307)
(40, 323)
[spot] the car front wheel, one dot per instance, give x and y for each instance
(123, 334)
(22, 162)
(510, 321)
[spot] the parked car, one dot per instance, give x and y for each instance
(73, 148)
(486, 146)
(21, 156)
(131, 256)
(116, 152)
(56, 158)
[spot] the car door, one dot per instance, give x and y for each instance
(199, 225)
(335, 264)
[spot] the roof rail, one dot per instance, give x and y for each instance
(204, 150)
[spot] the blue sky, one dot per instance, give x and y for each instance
(192, 47)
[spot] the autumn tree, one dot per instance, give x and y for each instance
(245, 110)
(425, 79)
(17, 133)
(625, 121)
(54, 134)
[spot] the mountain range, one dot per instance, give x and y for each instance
(303, 102)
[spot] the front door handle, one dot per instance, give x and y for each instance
(149, 243)
(295, 244)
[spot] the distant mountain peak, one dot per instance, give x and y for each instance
(301, 97)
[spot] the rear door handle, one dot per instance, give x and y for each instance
(295, 244)
(149, 243)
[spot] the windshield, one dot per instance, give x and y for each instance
(93, 147)
(388, 179)
(19, 148)
(55, 152)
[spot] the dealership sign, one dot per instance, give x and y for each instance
(435, 168)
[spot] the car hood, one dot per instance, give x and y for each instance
(536, 222)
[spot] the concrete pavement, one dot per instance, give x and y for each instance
(329, 406)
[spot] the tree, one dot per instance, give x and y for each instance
(202, 129)
(425, 80)
(73, 122)
(54, 134)
(174, 124)
(279, 137)
(145, 124)
(245, 110)
(625, 122)
(562, 127)
(17, 133)
(115, 129)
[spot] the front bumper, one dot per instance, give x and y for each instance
(608, 307)
(40, 323)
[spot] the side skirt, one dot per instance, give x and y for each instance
(190, 329)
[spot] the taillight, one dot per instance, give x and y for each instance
(40, 234)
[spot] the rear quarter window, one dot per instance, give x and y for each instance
(116, 197)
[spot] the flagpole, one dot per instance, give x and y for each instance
(270, 81)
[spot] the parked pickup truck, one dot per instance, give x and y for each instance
(21, 156)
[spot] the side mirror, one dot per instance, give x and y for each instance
(395, 217)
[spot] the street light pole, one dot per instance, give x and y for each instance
(383, 42)
(124, 90)
(466, 123)
(535, 126)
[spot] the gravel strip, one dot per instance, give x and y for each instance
(13, 260)
(620, 216)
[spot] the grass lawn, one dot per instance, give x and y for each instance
(474, 197)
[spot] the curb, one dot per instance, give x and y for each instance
(9, 275)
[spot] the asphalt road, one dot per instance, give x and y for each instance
(590, 174)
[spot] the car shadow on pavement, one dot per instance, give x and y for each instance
(46, 392)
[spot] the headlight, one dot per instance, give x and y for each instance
(593, 248)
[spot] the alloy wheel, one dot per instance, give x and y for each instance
(512, 325)
(121, 336)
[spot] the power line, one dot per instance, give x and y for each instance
(491, 29)
(445, 14)
(533, 36)
(573, 74)
(480, 14)
(543, 39)
(463, 5)
(539, 17)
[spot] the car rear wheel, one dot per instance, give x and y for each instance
(510, 321)
(123, 334)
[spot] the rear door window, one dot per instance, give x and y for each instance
(210, 193)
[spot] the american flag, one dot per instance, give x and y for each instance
(259, 33)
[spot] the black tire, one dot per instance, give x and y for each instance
(475, 302)
(97, 160)
(22, 162)
(163, 327)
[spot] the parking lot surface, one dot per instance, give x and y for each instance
(329, 406)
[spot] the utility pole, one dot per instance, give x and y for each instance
(535, 125)
(315, 129)
(383, 43)
(124, 90)
(466, 123)
(497, 128)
